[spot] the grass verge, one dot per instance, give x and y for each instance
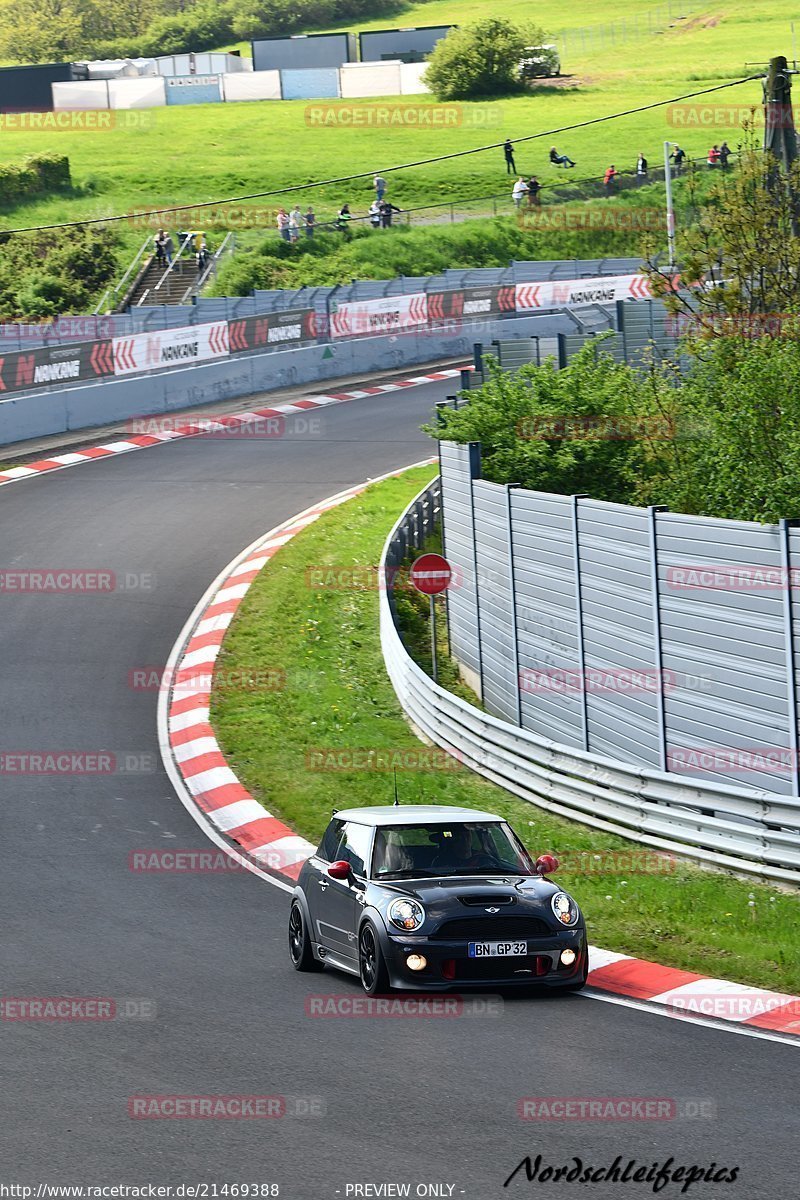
(337, 697)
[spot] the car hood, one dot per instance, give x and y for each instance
(471, 889)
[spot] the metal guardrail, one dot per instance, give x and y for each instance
(110, 294)
(194, 289)
(745, 830)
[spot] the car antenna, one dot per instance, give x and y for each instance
(396, 797)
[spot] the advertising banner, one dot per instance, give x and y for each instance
(295, 326)
(48, 366)
(469, 304)
(577, 293)
(387, 314)
(162, 348)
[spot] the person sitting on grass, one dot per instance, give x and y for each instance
(560, 160)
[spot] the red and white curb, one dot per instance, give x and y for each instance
(227, 811)
(199, 426)
(187, 739)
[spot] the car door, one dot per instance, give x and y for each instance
(318, 880)
(339, 901)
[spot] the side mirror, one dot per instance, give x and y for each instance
(340, 869)
(546, 864)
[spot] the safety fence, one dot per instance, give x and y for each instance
(654, 637)
(594, 39)
(75, 349)
(747, 829)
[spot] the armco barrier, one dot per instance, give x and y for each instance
(116, 399)
(755, 832)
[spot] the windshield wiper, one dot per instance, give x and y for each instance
(413, 872)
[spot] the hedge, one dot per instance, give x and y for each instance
(35, 176)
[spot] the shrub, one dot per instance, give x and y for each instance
(34, 177)
(480, 60)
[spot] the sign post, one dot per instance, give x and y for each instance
(431, 574)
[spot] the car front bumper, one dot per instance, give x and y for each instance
(449, 967)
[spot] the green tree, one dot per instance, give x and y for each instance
(35, 31)
(480, 60)
(741, 402)
(597, 426)
(740, 257)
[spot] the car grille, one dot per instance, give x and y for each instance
(475, 969)
(500, 928)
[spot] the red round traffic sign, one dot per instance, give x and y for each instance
(431, 574)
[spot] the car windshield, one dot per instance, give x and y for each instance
(460, 848)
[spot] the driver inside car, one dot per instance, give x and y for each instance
(456, 853)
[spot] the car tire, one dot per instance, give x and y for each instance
(371, 963)
(300, 950)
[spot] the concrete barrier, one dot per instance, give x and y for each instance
(114, 400)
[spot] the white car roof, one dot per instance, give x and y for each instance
(413, 814)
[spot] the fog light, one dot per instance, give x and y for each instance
(416, 962)
(568, 957)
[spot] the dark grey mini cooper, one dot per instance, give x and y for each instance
(434, 898)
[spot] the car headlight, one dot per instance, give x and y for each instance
(564, 908)
(406, 914)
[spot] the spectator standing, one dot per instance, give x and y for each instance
(169, 248)
(310, 220)
(610, 180)
(343, 220)
(713, 156)
(295, 217)
(724, 155)
(159, 243)
(379, 183)
(387, 208)
(534, 187)
(641, 168)
(519, 192)
(202, 255)
(282, 221)
(560, 160)
(375, 214)
(678, 155)
(508, 150)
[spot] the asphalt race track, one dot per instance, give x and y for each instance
(402, 1101)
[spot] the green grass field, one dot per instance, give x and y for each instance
(183, 155)
(186, 154)
(338, 696)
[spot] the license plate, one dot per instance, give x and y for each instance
(497, 949)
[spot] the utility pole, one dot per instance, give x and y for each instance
(779, 133)
(670, 209)
(780, 139)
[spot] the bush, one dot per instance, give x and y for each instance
(54, 272)
(53, 171)
(480, 60)
(384, 254)
(567, 431)
(34, 177)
